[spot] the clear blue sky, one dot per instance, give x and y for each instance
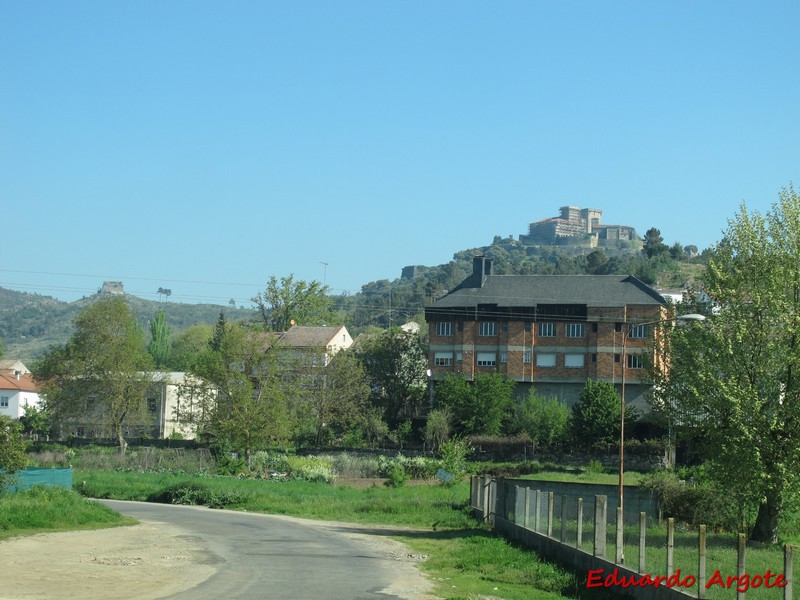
(204, 146)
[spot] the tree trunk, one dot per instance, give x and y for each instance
(123, 445)
(765, 530)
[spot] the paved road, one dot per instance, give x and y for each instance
(265, 557)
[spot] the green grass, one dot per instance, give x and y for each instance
(473, 563)
(44, 509)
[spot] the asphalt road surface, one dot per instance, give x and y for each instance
(271, 557)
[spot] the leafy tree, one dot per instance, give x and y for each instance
(188, 346)
(332, 397)
(597, 263)
(100, 378)
(402, 433)
(734, 382)
(437, 428)
(479, 407)
(595, 418)
(35, 422)
(12, 449)
(396, 364)
(653, 243)
(545, 420)
(160, 342)
(287, 301)
(374, 427)
(246, 404)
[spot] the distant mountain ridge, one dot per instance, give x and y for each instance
(30, 324)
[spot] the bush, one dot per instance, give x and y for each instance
(595, 467)
(197, 494)
(396, 477)
(311, 468)
(696, 503)
(454, 454)
(269, 462)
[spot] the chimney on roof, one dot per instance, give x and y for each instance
(17, 374)
(481, 268)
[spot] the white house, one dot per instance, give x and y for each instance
(17, 389)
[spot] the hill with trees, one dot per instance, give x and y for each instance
(30, 324)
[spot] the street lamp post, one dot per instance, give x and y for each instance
(620, 514)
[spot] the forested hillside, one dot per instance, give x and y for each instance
(32, 323)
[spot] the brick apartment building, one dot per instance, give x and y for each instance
(553, 332)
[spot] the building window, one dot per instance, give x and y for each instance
(545, 360)
(505, 325)
(526, 357)
(617, 327)
(594, 327)
(443, 359)
(573, 361)
(594, 358)
(486, 359)
(635, 361)
(528, 326)
(487, 328)
(504, 357)
(459, 356)
(617, 358)
(547, 330)
(445, 328)
(576, 330)
(4, 401)
(637, 331)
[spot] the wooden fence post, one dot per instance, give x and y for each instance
(701, 562)
(600, 516)
(517, 497)
(670, 545)
(563, 518)
(740, 563)
(537, 519)
(642, 533)
(550, 514)
(579, 540)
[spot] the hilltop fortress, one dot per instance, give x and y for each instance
(580, 227)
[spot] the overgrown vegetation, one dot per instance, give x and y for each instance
(52, 509)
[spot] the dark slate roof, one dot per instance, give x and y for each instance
(530, 290)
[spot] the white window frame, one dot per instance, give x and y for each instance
(526, 357)
(503, 358)
(637, 331)
(486, 359)
(546, 360)
(576, 330)
(547, 329)
(443, 359)
(5, 401)
(444, 328)
(574, 361)
(487, 328)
